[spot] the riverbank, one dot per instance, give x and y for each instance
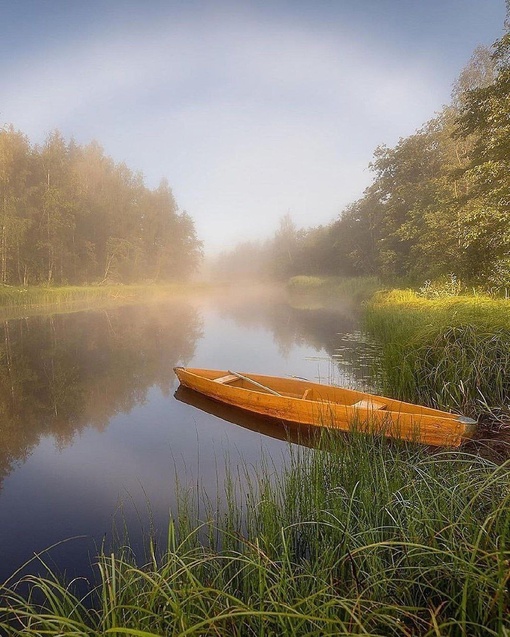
(363, 536)
(451, 352)
(439, 347)
(357, 289)
(19, 301)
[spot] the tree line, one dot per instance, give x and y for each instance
(439, 202)
(70, 215)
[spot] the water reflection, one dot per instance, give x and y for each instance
(60, 374)
(297, 434)
(63, 373)
(346, 355)
(100, 385)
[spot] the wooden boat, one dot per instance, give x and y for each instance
(300, 401)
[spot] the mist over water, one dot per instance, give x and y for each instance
(93, 436)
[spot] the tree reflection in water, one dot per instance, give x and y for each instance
(62, 373)
(112, 372)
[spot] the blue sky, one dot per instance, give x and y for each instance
(249, 109)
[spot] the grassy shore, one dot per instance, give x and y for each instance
(20, 301)
(439, 348)
(451, 352)
(362, 537)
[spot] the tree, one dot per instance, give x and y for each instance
(15, 192)
(284, 248)
(56, 210)
(485, 115)
(71, 214)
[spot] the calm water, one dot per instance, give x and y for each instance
(93, 437)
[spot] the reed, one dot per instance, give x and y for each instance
(361, 536)
(451, 353)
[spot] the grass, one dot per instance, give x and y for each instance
(360, 537)
(451, 353)
(357, 288)
(34, 300)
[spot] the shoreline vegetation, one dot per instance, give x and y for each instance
(361, 535)
(440, 346)
(23, 301)
(356, 288)
(451, 352)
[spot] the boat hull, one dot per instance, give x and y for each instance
(302, 402)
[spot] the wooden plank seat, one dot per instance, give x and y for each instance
(369, 404)
(224, 380)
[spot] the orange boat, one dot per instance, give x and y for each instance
(300, 401)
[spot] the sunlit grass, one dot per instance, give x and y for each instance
(16, 300)
(364, 536)
(450, 353)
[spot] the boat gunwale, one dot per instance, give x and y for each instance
(415, 424)
(414, 410)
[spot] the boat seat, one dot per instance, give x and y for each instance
(369, 404)
(229, 378)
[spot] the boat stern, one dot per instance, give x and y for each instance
(470, 425)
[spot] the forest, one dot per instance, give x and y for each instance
(437, 207)
(438, 204)
(70, 215)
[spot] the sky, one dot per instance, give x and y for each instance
(250, 109)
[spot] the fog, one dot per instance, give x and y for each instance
(249, 110)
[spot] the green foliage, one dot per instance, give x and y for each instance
(38, 299)
(464, 366)
(305, 283)
(485, 115)
(69, 214)
(443, 287)
(363, 536)
(439, 201)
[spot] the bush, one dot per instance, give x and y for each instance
(441, 288)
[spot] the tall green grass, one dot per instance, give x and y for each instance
(451, 353)
(362, 537)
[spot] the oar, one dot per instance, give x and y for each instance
(254, 382)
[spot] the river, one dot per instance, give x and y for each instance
(95, 437)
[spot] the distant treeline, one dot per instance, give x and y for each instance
(70, 214)
(439, 202)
